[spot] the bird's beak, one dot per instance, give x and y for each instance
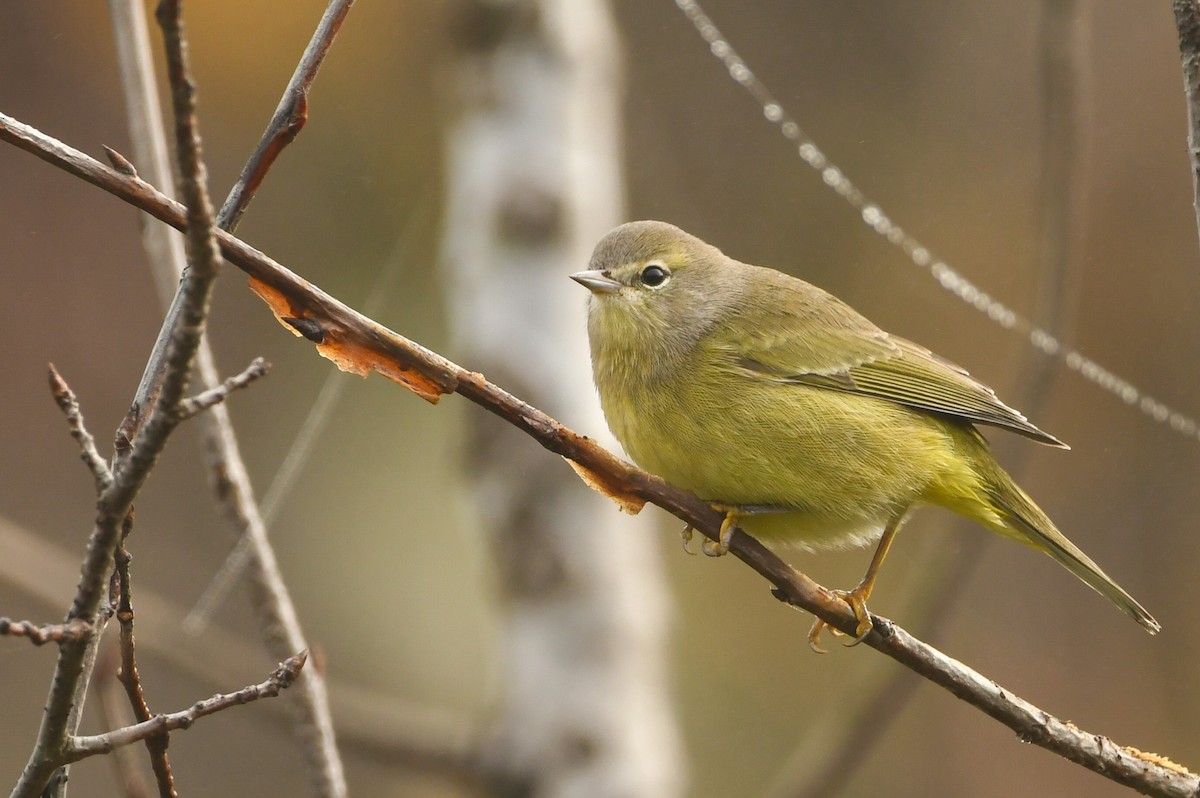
(597, 281)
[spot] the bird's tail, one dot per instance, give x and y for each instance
(1026, 522)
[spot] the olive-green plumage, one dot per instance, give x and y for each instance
(758, 391)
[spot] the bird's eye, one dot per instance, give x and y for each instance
(655, 276)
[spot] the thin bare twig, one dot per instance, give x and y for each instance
(362, 345)
(111, 701)
(228, 475)
(65, 398)
(290, 116)
(130, 678)
(40, 634)
(282, 678)
(1187, 21)
(203, 401)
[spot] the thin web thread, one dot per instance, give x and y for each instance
(920, 255)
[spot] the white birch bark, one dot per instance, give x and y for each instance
(533, 183)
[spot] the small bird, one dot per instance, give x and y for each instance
(793, 414)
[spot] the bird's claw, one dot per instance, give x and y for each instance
(857, 600)
(715, 548)
(687, 534)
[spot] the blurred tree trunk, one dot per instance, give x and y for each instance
(533, 183)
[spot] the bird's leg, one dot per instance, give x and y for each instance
(857, 597)
(733, 516)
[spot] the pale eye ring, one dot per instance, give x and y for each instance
(655, 275)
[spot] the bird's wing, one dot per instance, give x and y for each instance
(821, 342)
(782, 332)
(920, 379)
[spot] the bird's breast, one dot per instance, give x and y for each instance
(841, 464)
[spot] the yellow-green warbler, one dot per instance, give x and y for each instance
(796, 416)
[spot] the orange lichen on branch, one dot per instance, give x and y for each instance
(605, 486)
(357, 359)
(1157, 759)
(278, 302)
(348, 355)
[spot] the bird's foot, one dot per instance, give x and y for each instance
(857, 599)
(720, 546)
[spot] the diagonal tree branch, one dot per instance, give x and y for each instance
(361, 345)
(289, 118)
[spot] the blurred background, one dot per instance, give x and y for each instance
(936, 111)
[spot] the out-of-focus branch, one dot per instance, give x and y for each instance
(282, 678)
(390, 731)
(228, 474)
(1187, 21)
(362, 345)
